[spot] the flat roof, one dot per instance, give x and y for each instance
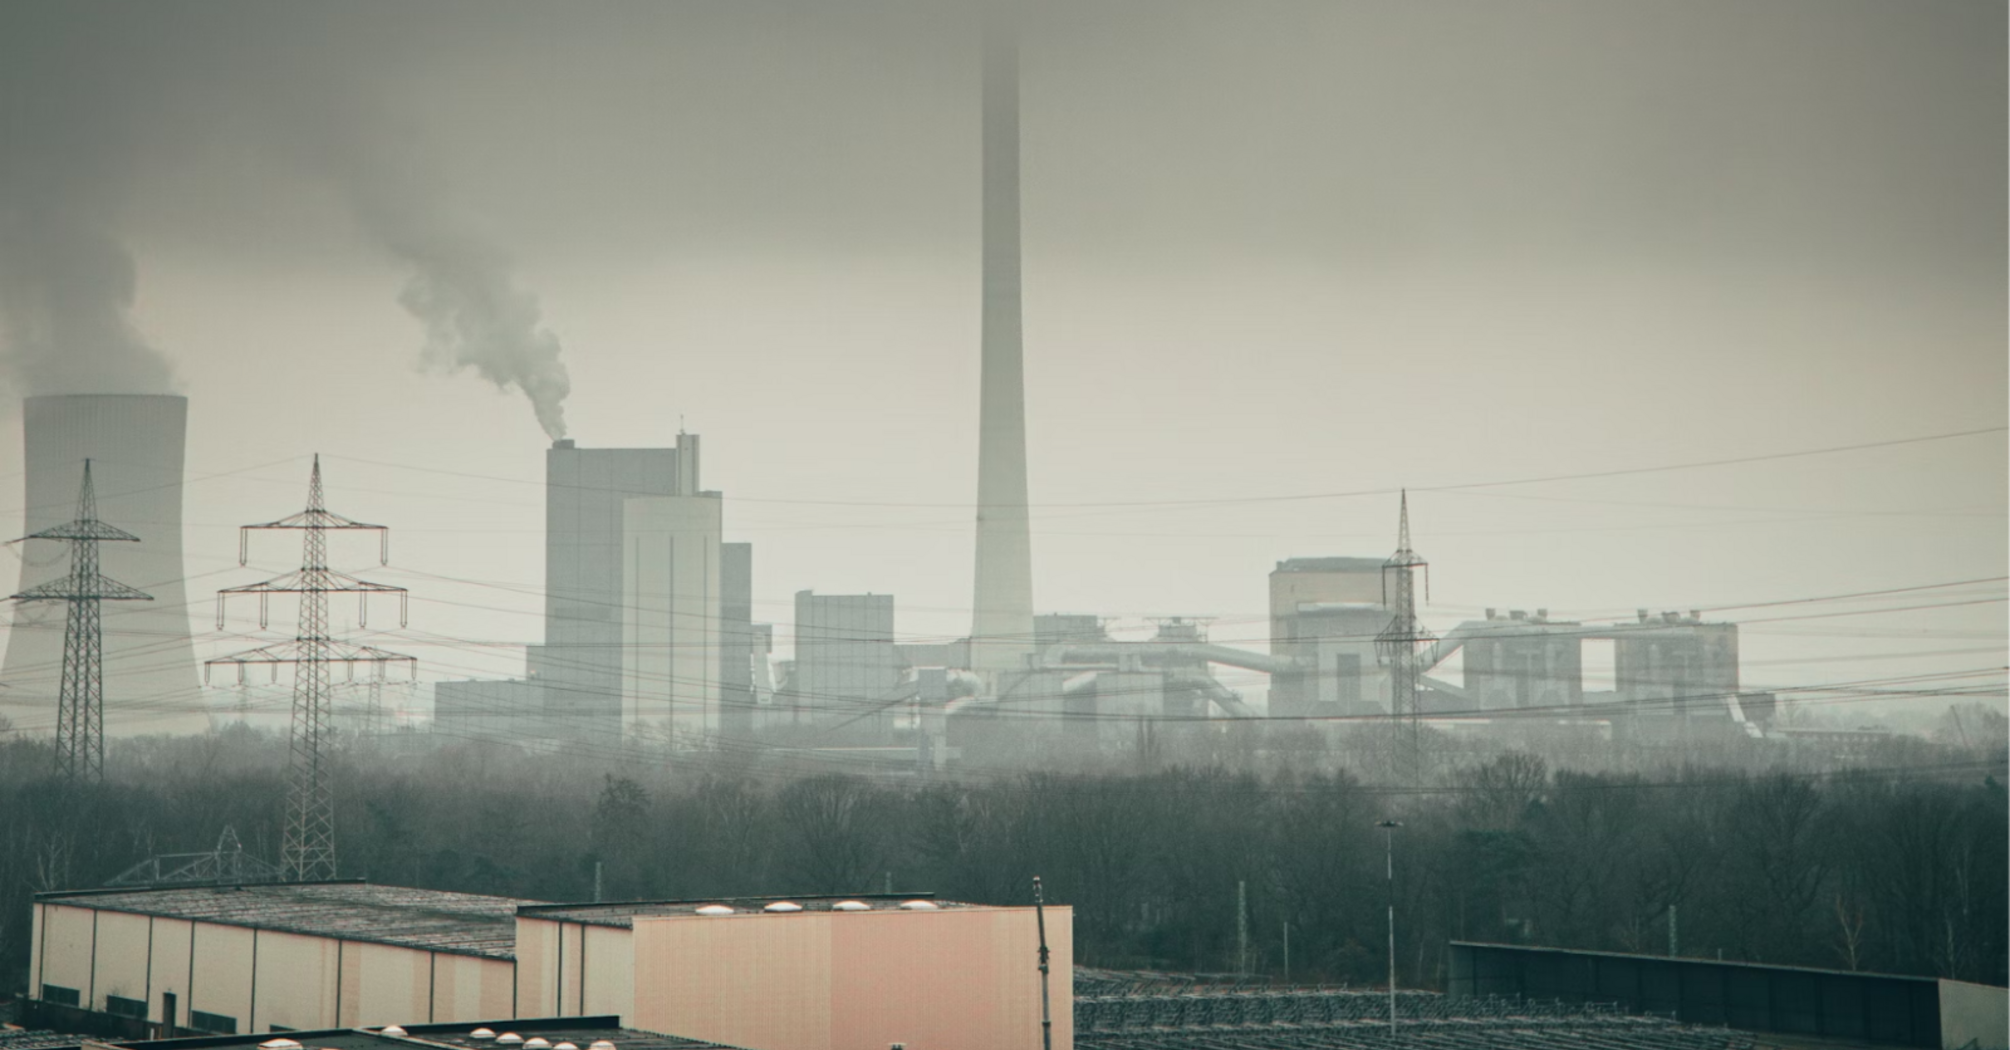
(622, 913)
(1330, 565)
(428, 920)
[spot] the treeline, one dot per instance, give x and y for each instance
(1893, 870)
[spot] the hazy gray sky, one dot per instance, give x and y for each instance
(1272, 248)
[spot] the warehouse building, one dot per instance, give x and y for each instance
(764, 974)
(262, 958)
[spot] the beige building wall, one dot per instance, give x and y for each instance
(295, 981)
(536, 967)
(670, 616)
(608, 970)
(64, 938)
(122, 958)
(570, 969)
(222, 983)
(965, 978)
(467, 988)
(300, 980)
(395, 985)
(170, 968)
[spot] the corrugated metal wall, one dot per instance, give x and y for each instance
(1902, 1011)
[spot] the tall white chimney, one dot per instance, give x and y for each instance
(1001, 634)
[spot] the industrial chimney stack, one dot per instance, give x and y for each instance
(1001, 634)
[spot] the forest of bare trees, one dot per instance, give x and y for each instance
(1895, 868)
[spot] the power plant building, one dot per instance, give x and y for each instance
(670, 614)
(847, 667)
(1324, 616)
(135, 444)
(580, 663)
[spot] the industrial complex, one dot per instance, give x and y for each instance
(649, 638)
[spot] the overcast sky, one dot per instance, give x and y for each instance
(1272, 249)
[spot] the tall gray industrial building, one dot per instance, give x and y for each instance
(1001, 633)
(135, 444)
(579, 664)
(648, 615)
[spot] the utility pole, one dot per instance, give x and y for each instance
(1673, 945)
(1389, 842)
(1242, 927)
(1046, 1010)
(1287, 953)
(80, 699)
(307, 852)
(1397, 645)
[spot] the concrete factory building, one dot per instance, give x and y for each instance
(768, 974)
(135, 444)
(648, 625)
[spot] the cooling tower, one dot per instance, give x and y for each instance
(134, 443)
(1001, 634)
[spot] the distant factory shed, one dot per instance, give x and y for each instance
(229, 959)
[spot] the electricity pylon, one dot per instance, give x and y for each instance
(308, 850)
(80, 700)
(1398, 642)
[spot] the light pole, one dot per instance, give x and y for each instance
(1389, 843)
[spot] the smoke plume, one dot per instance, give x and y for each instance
(67, 281)
(476, 315)
(66, 295)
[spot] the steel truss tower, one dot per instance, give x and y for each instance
(1398, 642)
(80, 701)
(308, 849)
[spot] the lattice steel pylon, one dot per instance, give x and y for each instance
(1398, 642)
(80, 700)
(307, 852)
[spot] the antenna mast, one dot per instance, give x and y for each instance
(308, 850)
(80, 700)
(1397, 644)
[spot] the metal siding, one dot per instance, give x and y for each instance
(66, 949)
(536, 961)
(1876, 1007)
(223, 973)
(121, 958)
(170, 952)
(296, 981)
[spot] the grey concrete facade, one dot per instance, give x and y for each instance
(580, 662)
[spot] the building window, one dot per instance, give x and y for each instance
(61, 996)
(124, 1007)
(216, 1024)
